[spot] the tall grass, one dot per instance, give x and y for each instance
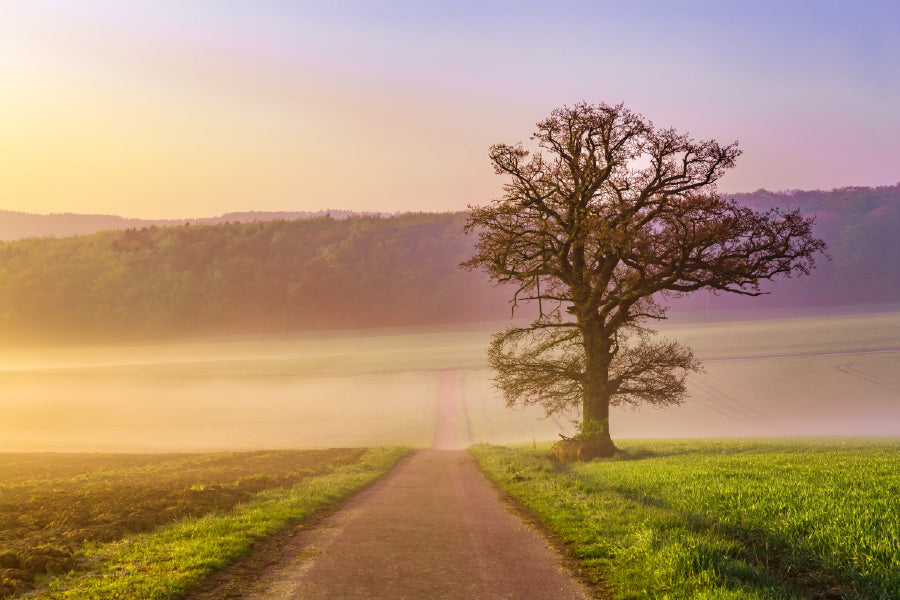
(723, 519)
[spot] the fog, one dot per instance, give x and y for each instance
(792, 376)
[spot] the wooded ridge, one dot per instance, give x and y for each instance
(269, 276)
(259, 277)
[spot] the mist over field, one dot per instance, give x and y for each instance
(790, 376)
(238, 333)
(211, 338)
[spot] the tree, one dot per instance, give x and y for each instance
(608, 218)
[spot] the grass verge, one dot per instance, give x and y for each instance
(721, 518)
(174, 559)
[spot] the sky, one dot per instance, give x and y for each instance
(193, 108)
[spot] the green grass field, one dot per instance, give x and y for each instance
(722, 518)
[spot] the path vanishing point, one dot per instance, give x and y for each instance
(434, 528)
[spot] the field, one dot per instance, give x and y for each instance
(58, 511)
(722, 518)
(791, 376)
(340, 390)
(798, 375)
(691, 519)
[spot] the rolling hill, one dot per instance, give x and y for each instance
(276, 272)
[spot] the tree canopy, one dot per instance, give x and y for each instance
(608, 218)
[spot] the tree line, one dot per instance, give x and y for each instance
(361, 271)
(18, 225)
(261, 277)
(860, 225)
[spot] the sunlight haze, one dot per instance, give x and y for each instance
(379, 387)
(165, 109)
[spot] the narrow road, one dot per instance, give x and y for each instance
(434, 528)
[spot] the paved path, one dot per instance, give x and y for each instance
(434, 528)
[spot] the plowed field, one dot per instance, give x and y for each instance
(51, 504)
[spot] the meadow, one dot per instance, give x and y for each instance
(153, 526)
(735, 519)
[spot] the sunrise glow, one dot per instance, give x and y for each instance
(173, 110)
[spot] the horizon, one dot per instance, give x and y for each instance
(154, 112)
(376, 212)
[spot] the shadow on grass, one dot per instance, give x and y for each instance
(760, 558)
(756, 558)
(641, 454)
(714, 447)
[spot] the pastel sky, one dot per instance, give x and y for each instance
(190, 108)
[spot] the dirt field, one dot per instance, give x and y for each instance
(51, 504)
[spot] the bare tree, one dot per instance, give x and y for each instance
(608, 218)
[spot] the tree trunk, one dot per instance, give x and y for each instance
(595, 406)
(595, 421)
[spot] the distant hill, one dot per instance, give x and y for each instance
(20, 225)
(258, 277)
(263, 272)
(862, 228)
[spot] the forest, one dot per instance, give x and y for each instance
(860, 225)
(359, 271)
(260, 277)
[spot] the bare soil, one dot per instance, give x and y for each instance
(51, 504)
